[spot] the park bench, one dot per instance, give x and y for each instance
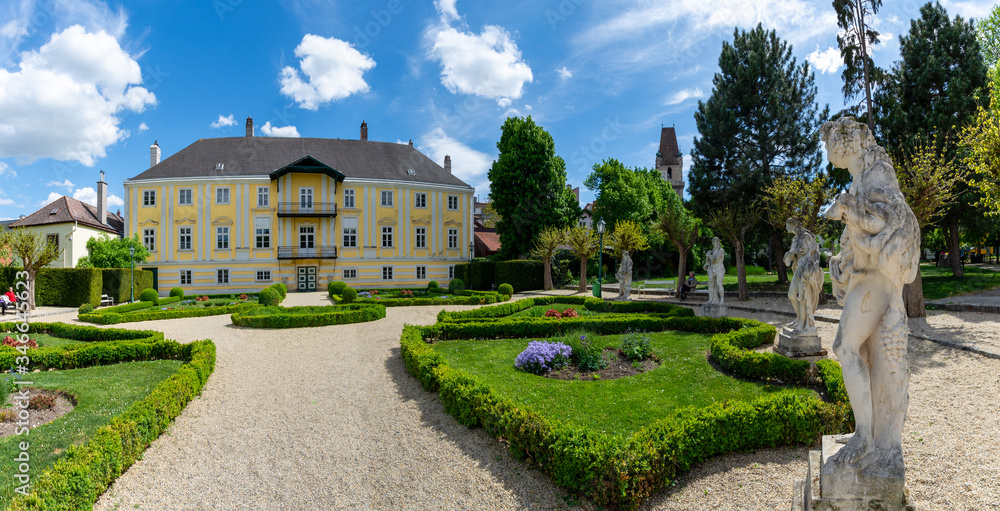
(671, 286)
(106, 301)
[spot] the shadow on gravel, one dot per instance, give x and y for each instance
(515, 476)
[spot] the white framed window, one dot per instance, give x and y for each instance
(306, 199)
(421, 272)
(350, 274)
(451, 272)
(263, 196)
(453, 202)
(185, 277)
(222, 276)
(185, 197)
(307, 236)
(222, 195)
(263, 235)
(452, 238)
(387, 273)
(222, 238)
(263, 275)
(348, 198)
(350, 237)
(387, 198)
(184, 238)
(420, 200)
(149, 239)
(386, 237)
(420, 240)
(149, 197)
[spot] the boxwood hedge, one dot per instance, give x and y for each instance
(297, 317)
(126, 313)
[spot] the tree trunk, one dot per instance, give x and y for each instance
(583, 275)
(778, 250)
(547, 284)
(913, 297)
(681, 270)
(741, 272)
(31, 290)
(953, 251)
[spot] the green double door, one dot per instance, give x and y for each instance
(307, 278)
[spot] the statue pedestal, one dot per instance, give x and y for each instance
(831, 486)
(798, 344)
(714, 310)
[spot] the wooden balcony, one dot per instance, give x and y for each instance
(319, 252)
(299, 209)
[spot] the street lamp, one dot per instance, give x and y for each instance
(131, 279)
(600, 256)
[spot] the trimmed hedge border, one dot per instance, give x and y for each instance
(615, 470)
(298, 317)
(104, 346)
(103, 317)
(86, 471)
(468, 297)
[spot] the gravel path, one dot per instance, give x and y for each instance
(327, 418)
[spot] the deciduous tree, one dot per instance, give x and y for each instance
(799, 198)
(583, 242)
(547, 243)
(627, 236)
(732, 224)
(681, 227)
(34, 252)
(107, 252)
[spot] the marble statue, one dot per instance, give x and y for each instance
(716, 267)
(879, 254)
(807, 276)
(624, 276)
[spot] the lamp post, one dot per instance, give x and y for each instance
(131, 278)
(600, 256)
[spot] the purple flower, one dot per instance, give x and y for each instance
(541, 357)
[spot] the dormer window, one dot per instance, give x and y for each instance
(220, 166)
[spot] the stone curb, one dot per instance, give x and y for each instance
(966, 307)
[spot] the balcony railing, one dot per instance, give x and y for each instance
(319, 252)
(307, 209)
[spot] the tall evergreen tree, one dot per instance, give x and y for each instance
(857, 40)
(528, 187)
(761, 122)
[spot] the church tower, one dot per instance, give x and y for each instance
(670, 161)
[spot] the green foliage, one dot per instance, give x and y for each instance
(268, 297)
(349, 295)
(149, 295)
(857, 41)
(627, 236)
(86, 308)
(482, 275)
(145, 311)
(68, 287)
(522, 275)
(463, 271)
(505, 289)
(587, 355)
(34, 252)
(116, 281)
(113, 252)
(636, 346)
(528, 187)
(433, 285)
(281, 288)
(456, 286)
(624, 194)
(335, 288)
(178, 292)
(298, 317)
(833, 379)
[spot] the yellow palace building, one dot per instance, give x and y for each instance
(233, 215)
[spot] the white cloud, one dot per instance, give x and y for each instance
(143, 127)
(53, 196)
(88, 195)
(13, 29)
(284, 131)
(333, 70)
(968, 9)
(6, 171)
(503, 102)
(488, 64)
(467, 164)
(447, 10)
(826, 61)
(65, 184)
(224, 121)
(6, 202)
(564, 73)
(684, 95)
(65, 99)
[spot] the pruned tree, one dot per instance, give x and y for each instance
(6, 257)
(546, 244)
(34, 252)
(786, 198)
(627, 236)
(857, 40)
(929, 180)
(681, 227)
(732, 223)
(584, 244)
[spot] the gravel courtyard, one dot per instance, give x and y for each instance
(328, 418)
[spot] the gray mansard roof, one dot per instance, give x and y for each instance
(259, 156)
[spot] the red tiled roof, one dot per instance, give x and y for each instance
(67, 209)
(487, 242)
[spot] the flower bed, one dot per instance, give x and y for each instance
(297, 317)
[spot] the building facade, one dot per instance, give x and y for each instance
(240, 213)
(670, 160)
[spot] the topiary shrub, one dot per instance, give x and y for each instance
(506, 289)
(268, 296)
(456, 286)
(348, 295)
(149, 295)
(178, 292)
(335, 288)
(281, 289)
(432, 285)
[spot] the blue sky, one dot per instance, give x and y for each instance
(88, 86)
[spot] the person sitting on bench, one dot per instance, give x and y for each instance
(8, 299)
(689, 284)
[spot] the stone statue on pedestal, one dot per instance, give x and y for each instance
(624, 276)
(879, 254)
(716, 268)
(799, 338)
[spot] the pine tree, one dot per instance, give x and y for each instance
(857, 40)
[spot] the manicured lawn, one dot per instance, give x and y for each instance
(53, 342)
(539, 310)
(622, 406)
(101, 392)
